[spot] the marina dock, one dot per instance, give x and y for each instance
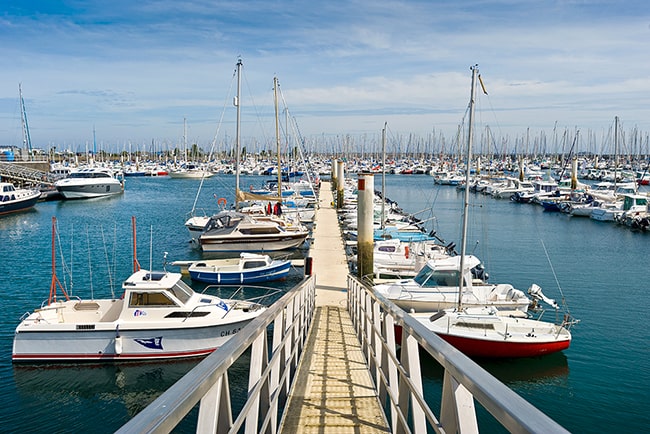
(333, 391)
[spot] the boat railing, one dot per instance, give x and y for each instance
(397, 374)
(271, 369)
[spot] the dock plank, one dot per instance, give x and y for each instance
(333, 390)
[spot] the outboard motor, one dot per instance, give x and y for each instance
(536, 293)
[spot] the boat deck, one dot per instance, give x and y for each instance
(333, 391)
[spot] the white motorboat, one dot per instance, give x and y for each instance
(393, 258)
(435, 288)
(230, 231)
(89, 183)
(190, 171)
(14, 199)
(158, 317)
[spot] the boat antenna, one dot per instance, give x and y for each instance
(470, 132)
(136, 264)
(55, 281)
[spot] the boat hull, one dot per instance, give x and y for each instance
(268, 274)
(19, 205)
(87, 191)
(473, 347)
(107, 342)
(252, 244)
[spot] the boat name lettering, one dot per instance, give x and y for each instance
(139, 312)
(230, 332)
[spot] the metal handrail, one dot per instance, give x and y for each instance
(399, 382)
(271, 373)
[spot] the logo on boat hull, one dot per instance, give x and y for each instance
(153, 343)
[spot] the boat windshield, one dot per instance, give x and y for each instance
(428, 277)
(181, 291)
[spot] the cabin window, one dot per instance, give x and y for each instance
(429, 277)
(254, 264)
(260, 231)
(150, 299)
(181, 291)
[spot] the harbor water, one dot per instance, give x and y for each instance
(599, 384)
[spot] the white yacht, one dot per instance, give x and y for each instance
(88, 183)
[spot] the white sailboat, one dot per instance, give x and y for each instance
(483, 331)
(234, 231)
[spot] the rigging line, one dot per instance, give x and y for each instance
(566, 306)
(255, 108)
(90, 267)
(63, 263)
(108, 264)
(114, 269)
(214, 140)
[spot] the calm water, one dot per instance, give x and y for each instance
(600, 383)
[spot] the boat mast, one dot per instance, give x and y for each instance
(615, 150)
(55, 280)
(277, 135)
(383, 176)
(470, 133)
(27, 140)
(238, 133)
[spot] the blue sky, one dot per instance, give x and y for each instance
(133, 70)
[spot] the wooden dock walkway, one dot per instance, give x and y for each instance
(333, 391)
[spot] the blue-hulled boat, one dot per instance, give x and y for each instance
(15, 200)
(247, 268)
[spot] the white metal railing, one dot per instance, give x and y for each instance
(271, 373)
(397, 375)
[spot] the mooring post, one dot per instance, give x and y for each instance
(365, 238)
(340, 184)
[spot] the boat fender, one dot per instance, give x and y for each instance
(222, 201)
(406, 252)
(118, 341)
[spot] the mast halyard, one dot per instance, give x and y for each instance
(470, 133)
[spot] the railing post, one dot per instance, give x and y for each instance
(215, 413)
(457, 411)
(259, 361)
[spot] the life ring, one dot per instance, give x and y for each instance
(222, 201)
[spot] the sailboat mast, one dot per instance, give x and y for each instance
(470, 134)
(27, 140)
(383, 176)
(277, 135)
(238, 133)
(615, 150)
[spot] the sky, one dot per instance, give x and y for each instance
(130, 75)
